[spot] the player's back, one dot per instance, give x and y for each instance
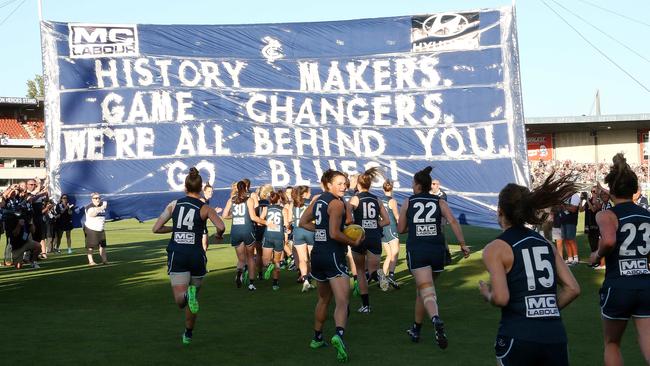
(532, 313)
(187, 225)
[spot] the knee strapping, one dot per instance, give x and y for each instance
(427, 293)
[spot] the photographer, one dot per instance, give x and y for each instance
(591, 206)
(94, 228)
(19, 225)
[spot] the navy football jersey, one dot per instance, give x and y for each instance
(627, 263)
(187, 226)
(323, 243)
(241, 219)
(366, 214)
(274, 216)
(424, 216)
(532, 313)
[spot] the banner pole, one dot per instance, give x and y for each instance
(40, 10)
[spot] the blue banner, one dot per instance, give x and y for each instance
(130, 107)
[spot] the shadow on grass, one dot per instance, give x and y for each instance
(124, 313)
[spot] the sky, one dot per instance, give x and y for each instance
(560, 71)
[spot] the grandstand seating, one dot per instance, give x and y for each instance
(13, 129)
(35, 129)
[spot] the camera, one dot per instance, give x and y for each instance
(584, 195)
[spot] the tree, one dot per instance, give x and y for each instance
(35, 87)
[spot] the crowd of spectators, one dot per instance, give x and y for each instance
(33, 223)
(587, 173)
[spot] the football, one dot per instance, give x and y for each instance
(353, 231)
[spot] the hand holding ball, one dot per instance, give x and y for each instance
(354, 232)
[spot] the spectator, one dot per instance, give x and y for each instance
(568, 224)
(593, 204)
(437, 191)
(94, 228)
(19, 225)
(640, 199)
(64, 222)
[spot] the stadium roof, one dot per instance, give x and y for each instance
(580, 123)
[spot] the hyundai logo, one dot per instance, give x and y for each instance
(444, 25)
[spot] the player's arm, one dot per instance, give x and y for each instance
(569, 288)
(226, 209)
(385, 221)
(289, 217)
(211, 214)
(159, 227)
(335, 211)
(307, 219)
(286, 215)
(608, 224)
(494, 256)
(349, 218)
(455, 226)
(402, 225)
(251, 212)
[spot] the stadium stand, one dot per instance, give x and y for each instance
(13, 129)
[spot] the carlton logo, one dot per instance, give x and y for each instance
(92, 40)
(541, 306)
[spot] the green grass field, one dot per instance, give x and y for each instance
(67, 313)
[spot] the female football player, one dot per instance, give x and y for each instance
(420, 217)
(186, 260)
(525, 270)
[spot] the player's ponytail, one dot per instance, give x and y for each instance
(365, 180)
(520, 206)
(621, 179)
(298, 194)
(242, 192)
(193, 181)
(274, 197)
(423, 179)
(388, 185)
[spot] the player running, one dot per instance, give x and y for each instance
(371, 215)
(277, 219)
(186, 260)
(325, 217)
(242, 235)
(390, 240)
(420, 217)
(525, 270)
(303, 240)
(625, 244)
